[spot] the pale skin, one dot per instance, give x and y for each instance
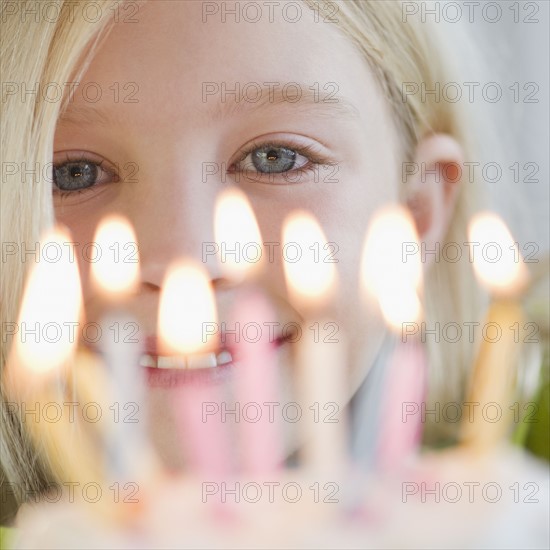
(172, 130)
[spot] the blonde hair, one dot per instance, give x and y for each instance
(45, 52)
(34, 55)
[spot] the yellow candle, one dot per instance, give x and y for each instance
(39, 368)
(493, 379)
(494, 373)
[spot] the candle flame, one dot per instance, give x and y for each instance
(384, 260)
(387, 272)
(237, 235)
(497, 261)
(116, 270)
(399, 306)
(50, 308)
(310, 273)
(187, 310)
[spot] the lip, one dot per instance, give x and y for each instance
(169, 378)
(172, 377)
(152, 346)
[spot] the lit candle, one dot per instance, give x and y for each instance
(52, 297)
(257, 385)
(187, 306)
(394, 283)
(39, 365)
(238, 239)
(115, 276)
(495, 368)
(321, 357)
(256, 379)
(186, 310)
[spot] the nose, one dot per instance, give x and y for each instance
(174, 220)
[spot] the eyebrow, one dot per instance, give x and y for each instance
(318, 102)
(80, 115)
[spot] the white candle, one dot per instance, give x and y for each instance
(321, 357)
(116, 276)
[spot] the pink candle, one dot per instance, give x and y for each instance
(394, 281)
(204, 437)
(404, 391)
(257, 386)
(187, 303)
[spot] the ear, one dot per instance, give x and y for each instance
(431, 186)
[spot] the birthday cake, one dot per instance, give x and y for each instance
(450, 499)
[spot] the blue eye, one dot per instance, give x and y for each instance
(80, 174)
(75, 175)
(272, 159)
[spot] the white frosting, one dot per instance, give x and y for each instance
(379, 511)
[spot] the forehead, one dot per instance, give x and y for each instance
(180, 56)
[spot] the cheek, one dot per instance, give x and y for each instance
(82, 229)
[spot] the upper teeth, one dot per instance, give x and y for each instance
(199, 361)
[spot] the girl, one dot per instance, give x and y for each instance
(304, 105)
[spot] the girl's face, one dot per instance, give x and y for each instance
(192, 102)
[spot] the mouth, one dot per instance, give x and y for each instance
(181, 362)
(166, 371)
(201, 368)
(205, 368)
